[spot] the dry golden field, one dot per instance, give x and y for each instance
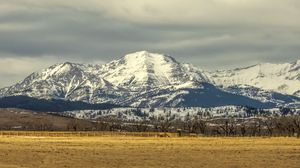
(139, 152)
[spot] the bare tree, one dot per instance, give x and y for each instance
(256, 128)
(296, 122)
(243, 129)
(269, 123)
(142, 126)
(225, 128)
(201, 125)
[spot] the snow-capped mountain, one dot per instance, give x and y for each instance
(65, 81)
(265, 96)
(144, 70)
(131, 80)
(144, 79)
(281, 78)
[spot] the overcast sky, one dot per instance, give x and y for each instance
(211, 34)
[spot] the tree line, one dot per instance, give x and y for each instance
(257, 125)
(260, 126)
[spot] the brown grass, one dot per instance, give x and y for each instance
(30, 120)
(48, 152)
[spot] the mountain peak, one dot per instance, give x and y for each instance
(60, 68)
(143, 52)
(150, 70)
(144, 55)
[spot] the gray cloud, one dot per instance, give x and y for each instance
(208, 33)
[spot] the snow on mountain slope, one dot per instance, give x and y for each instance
(144, 79)
(297, 93)
(120, 81)
(144, 70)
(169, 113)
(282, 78)
(64, 81)
(265, 96)
(172, 114)
(3, 91)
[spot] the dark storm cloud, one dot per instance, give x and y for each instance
(210, 34)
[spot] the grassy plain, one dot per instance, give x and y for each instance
(139, 152)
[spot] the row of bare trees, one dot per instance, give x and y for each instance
(255, 126)
(268, 126)
(262, 126)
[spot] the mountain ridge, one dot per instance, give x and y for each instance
(144, 79)
(282, 78)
